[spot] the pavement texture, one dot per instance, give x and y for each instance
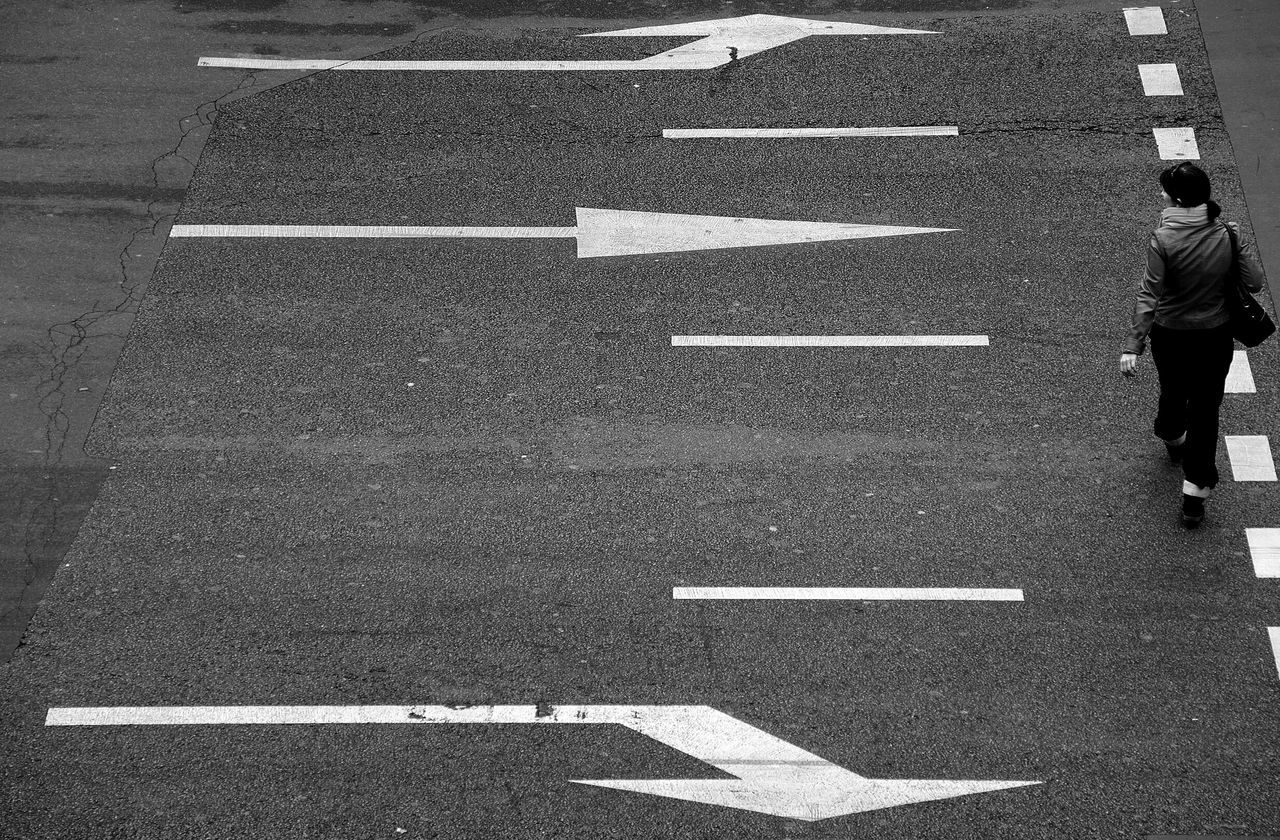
(470, 472)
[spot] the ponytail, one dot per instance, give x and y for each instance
(1213, 208)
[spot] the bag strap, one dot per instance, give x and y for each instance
(1234, 270)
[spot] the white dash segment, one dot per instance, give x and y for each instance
(831, 593)
(886, 131)
(1250, 457)
(1264, 549)
(370, 231)
(1160, 79)
(1177, 143)
(830, 341)
(1147, 20)
(1240, 377)
(1274, 632)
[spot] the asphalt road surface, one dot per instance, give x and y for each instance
(469, 472)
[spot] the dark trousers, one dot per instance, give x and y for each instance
(1193, 366)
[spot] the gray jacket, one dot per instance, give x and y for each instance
(1187, 263)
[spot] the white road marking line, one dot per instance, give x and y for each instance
(370, 231)
(887, 131)
(1250, 458)
(724, 40)
(832, 593)
(829, 341)
(601, 232)
(1160, 79)
(1177, 143)
(1274, 633)
(1240, 377)
(1148, 20)
(1264, 549)
(771, 776)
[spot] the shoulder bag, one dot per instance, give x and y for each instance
(1250, 323)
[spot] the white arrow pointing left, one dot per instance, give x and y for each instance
(722, 41)
(600, 232)
(770, 776)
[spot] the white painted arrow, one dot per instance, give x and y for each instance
(723, 41)
(600, 233)
(771, 776)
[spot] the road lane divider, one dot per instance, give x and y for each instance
(1250, 457)
(885, 131)
(835, 593)
(1274, 633)
(769, 775)
(830, 341)
(1264, 551)
(1146, 20)
(1240, 376)
(1160, 79)
(600, 232)
(1176, 143)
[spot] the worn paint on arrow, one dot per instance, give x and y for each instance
(600, 232)
(722, 41)
(772, 776)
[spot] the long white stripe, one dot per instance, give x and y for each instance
(371, 231)
(1274, 632)
(1250, 458)
(887, 131)
(1148, 20)
(1240, 377)
(1160, 79)
(832, 593)
(1176, 143)
(829, 341)
(331, 64)
(1264, 550)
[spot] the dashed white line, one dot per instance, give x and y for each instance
(1147, 20)
(832, 593)
(1160, 79)
(886, 131)
(1240, 377)
(829, 341)
(1264, 550)
(1177, 143)
(1274, 632)
(1250, 457)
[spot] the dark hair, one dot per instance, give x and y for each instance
(1187, 184)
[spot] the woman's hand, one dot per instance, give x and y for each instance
(1128, 363)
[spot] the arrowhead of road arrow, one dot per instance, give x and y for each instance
(807, 793)
(612, 233)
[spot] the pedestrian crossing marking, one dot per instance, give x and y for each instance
(1176, 143)
(1240, 376)
(1250, 457)
(1160, 79)
(1264, 550)
(1147, 20)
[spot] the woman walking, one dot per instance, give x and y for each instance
(1181, 307)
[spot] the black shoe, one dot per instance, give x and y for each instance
(1192, 510)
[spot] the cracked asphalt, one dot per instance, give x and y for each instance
(280, 518)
